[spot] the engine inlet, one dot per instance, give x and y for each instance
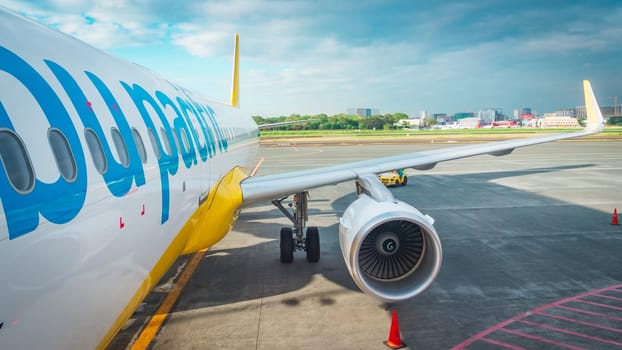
(392, 250)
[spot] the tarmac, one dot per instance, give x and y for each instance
(524, 236)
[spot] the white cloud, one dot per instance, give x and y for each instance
(103, 24)
(308, 52)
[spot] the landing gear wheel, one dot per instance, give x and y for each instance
(312, 243)
(405, 180)
(287, 245)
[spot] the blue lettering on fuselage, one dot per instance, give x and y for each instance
(184, 107)
(22, 209)
(168, 163)
(61, 201)
(118, 178)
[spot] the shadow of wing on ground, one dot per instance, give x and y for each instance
(236, 270)
(506, 251)
(235, 274)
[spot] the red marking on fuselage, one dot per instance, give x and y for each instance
(90, 105)
(121, 223)
(142, 212)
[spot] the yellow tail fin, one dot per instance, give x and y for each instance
(594, 116)
(235, 87)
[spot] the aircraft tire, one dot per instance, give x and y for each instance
(313, 244)
(287, 245)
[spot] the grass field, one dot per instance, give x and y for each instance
(468, 135)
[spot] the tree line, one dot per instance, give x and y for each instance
(335, 122)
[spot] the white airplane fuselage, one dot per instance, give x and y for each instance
(87, 229)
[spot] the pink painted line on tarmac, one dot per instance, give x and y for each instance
(500, 343)
(599, 304)
(557, 304)
(478, 336)
(565, 331)
(574, 298)
(592, 313)
(607, 297)
(540, 339)
(574, 320)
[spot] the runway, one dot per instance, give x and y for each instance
(520, 232)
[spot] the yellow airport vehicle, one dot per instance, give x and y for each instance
(393, 178)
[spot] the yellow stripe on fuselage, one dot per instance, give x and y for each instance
(208, 225)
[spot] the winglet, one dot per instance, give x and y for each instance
(595, 121)
(235, 87)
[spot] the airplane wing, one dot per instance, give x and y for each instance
(263, 188)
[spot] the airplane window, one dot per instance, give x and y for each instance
(154, 143)
(16, 161)
(139, 145)
(121, 149)
(167, 141)
(186, 142)
(97, 152)
(176, 139)
(62, 154)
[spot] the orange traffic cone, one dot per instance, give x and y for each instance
(394, 341)
(614, 218)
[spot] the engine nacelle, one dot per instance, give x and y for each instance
(392, 251)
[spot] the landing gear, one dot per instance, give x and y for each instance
(293, 239)
(287, 245)
(313, 244)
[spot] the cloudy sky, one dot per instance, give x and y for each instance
(319, 56)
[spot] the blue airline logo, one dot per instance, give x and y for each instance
(60, 201)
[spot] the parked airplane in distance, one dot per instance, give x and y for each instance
(110, 172)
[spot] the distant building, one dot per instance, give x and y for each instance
(441, 118)
(566, 112)
(551, 120)
(526, 116)
(363, 112)
(490, 115)
(462, 115)
(487, 116)
(526, 110)
(409, 123)
(523, 115)
(469, 123)
(503, 124)
(607, 111)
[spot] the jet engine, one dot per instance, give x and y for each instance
(392, 250)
